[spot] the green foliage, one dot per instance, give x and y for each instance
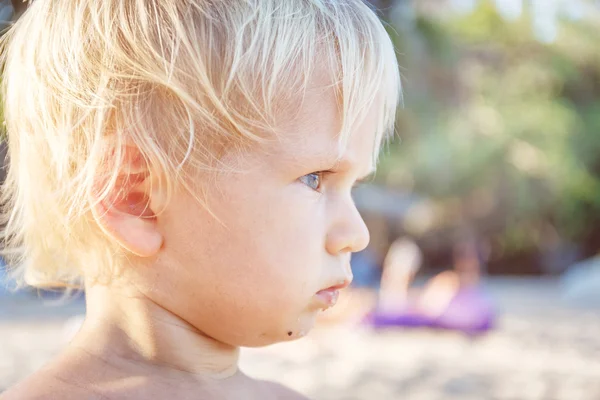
(489, 108)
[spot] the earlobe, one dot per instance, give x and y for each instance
(131, 223)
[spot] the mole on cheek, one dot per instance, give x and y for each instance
(290, 333)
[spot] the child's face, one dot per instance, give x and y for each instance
(254, 277)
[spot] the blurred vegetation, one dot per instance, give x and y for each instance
(500, 130)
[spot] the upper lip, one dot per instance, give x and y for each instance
(341, 285)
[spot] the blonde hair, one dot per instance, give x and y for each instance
(174, 78)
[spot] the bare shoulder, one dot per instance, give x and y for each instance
(281, 392)
(62, 378)
(43, 385)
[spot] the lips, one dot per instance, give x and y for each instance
(329, 297)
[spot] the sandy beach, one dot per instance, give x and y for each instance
(542, 349)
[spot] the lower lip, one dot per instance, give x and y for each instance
(328, 297)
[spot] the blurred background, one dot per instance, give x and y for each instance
(482, 279)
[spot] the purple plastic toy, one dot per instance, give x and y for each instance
(470, 311)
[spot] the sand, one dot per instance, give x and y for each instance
(541, 349)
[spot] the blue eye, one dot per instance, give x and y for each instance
(312, 180)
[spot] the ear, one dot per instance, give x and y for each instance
(125, 214)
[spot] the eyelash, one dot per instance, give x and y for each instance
(320, 175)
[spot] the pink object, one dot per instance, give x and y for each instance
(470, 311)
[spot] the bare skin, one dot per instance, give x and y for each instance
(60, 382)
(136, 358)
(195, 290)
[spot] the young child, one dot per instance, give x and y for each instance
(189, 163)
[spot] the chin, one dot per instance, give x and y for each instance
(297, 329)
(303, 326)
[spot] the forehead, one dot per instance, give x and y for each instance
(313, 130)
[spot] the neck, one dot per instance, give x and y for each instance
(122, 323)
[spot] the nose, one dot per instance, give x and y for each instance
(348, 232)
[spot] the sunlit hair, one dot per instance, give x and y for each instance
(182, 81)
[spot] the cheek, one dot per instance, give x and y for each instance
(255, 271)
(279, 241)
